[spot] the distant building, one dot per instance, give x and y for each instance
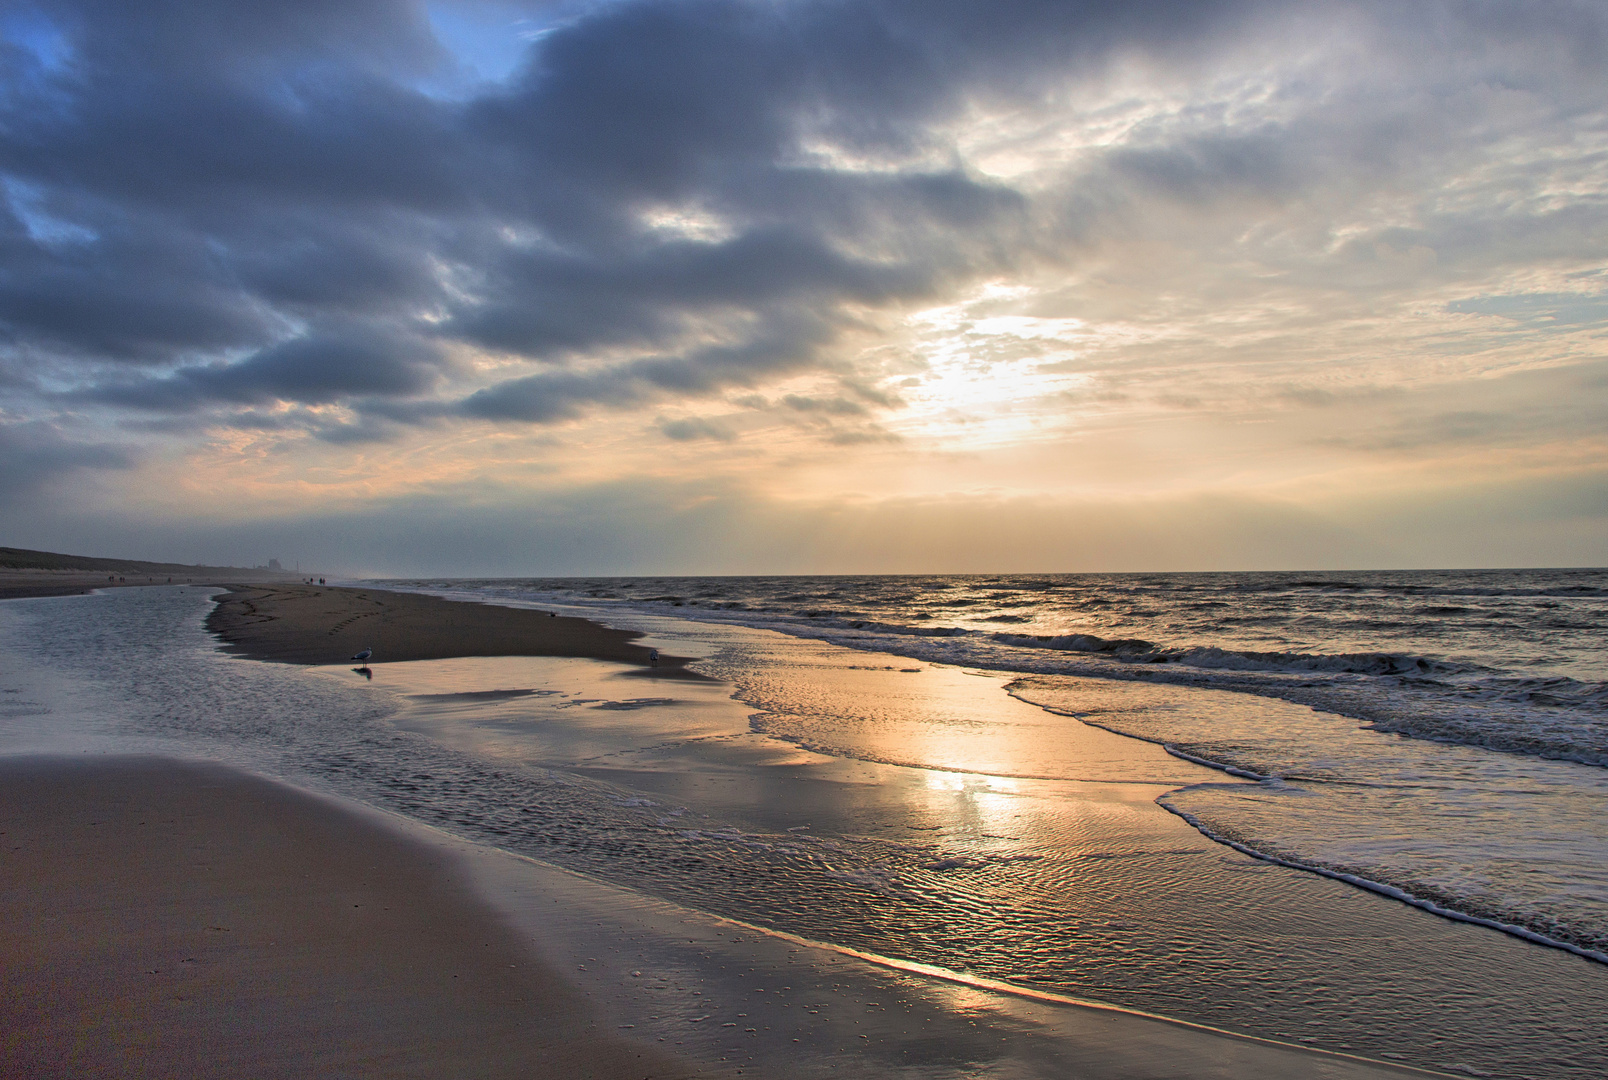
(273, 564)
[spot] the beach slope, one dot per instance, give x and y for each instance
(164, 918)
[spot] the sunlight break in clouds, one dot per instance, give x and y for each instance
(719, 286)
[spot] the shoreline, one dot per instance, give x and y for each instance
(578, 923)
(193, 918)
(598, 642)
(27, 584)
(1388, 891)
(1431, 904)
(1379, 888)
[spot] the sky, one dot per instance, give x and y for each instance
(482, 288)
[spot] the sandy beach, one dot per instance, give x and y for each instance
(15, 584)
(316, 624)
(165, 917)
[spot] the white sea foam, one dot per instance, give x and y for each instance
(1506, 839)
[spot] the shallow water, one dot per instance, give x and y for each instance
(1507, 837)
(1514, 659)
(924, 814)
(1497, 676)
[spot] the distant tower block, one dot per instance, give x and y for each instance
(273, 564)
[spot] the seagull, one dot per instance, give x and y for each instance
(365, 654)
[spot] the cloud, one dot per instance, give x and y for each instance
(132, 295)
(336, 364)
(690, 428)
(651, 526)
(1160, 232)
(238, 179)
(35, 456)
(1539, 309)
(1518, 410)
(556, 395)
(871, 433)
(834, 406)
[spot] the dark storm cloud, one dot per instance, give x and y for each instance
(785, 347)
(32, 455)
(319, 368)
(132, 293)
(207, 207)
(197, 188)
(545, 305)
(355, 267)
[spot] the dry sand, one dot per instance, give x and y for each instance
(317, 624)
(166, 919)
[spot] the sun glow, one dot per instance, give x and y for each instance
(991, 376)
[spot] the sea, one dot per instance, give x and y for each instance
(1364, 812)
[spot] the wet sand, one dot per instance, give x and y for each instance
(733, 999)
(164, 918)
(317, 624)
(16, 584)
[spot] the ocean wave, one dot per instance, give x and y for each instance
(1503, 683)
(1089, 643)
(1368, 663)
(1540, 927)
(1212, 656)
(1557, 718)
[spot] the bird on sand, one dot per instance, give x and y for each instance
(364, 655)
